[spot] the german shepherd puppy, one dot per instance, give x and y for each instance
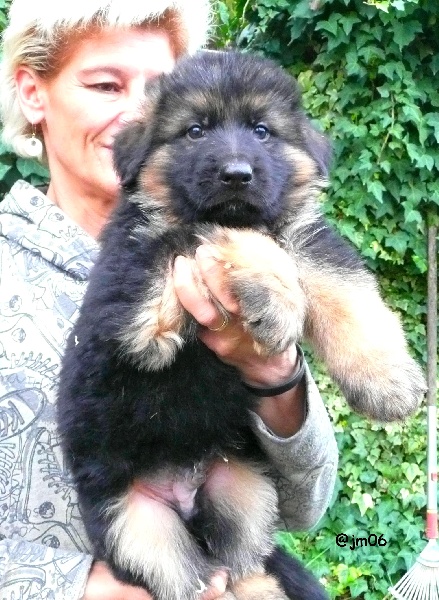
(171, 482)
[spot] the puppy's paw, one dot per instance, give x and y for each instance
(392, 392)
(274, 321)
(264, 279)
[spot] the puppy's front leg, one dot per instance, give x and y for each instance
(155, 331)
(361, 341)
(264, 278)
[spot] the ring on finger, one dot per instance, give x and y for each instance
(222, 326)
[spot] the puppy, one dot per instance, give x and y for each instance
(171, 482)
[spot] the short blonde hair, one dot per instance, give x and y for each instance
(39, 31)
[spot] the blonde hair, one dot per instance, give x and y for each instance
(39, 33)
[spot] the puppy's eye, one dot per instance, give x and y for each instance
(195, 132)
(261, 132)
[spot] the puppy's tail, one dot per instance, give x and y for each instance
(296, 581)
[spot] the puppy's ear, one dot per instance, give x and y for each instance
(132, 145)
(318, 146)
(130, 150)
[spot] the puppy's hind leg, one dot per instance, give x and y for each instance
(237, 512)
(362, 342)
(149, 545)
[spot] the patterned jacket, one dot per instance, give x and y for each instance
(45, 260)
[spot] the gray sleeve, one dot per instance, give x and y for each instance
(29, 570)
(304, 466)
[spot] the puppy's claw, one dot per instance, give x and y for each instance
(274, 323)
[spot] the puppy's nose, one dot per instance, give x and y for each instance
(236, 174)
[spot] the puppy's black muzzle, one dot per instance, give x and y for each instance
(236, 175)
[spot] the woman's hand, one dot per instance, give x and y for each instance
(102, 585)
(283, 414)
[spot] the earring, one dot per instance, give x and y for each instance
(32, 145)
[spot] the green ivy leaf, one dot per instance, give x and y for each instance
(348, 22)
(31, 167)
(331, 26)
(405, 32)
(359, 586)
(411, 471)
(376, 188)
(4, 169)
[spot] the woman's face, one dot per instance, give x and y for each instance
(86, 104)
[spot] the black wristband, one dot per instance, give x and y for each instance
(284, 387)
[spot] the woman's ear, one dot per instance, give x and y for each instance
(29, 94)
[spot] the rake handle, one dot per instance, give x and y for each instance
(432, 517)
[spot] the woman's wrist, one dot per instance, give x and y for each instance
(280, 387)
(284, 413)
(271, 370)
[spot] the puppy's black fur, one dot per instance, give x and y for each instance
(223, 154)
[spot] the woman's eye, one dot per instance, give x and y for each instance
(195, 132)
(106, 86)
(261, 132)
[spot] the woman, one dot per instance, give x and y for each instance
(72, 75)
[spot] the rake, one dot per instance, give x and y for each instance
(421, 582)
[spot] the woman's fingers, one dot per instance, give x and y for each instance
(201, 288)
(214, 274)
(193, 295)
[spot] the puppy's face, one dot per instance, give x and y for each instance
(223, 140)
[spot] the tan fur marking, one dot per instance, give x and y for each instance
(258, 587)
(151, 541)
(259, 106)
(346, 315)
(194, 103)
(152, 177)
(305, 169)
(304, 198)
(237, 483)
(154, 334)
(255, 255)
(242, 494)
(170, 313)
